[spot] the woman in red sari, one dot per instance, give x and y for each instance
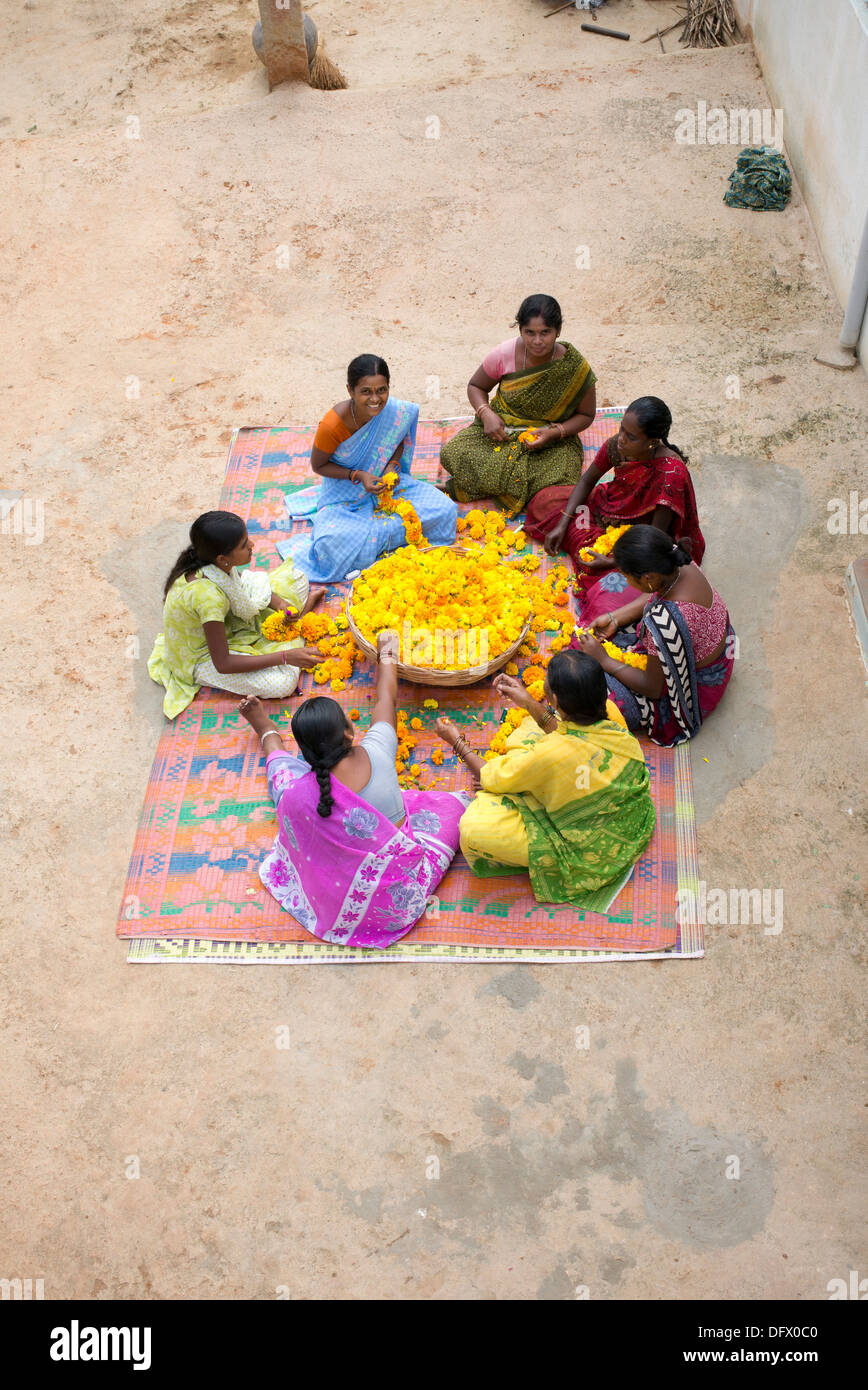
(651, 486)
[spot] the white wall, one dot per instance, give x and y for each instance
(814, 59)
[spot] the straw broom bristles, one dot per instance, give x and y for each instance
(325, 75)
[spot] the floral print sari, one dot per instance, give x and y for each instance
(354, 878)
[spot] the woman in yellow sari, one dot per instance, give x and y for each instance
(527, 437)
(569, 801)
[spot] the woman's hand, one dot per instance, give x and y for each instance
(370, 483)
(387, 648)
(446, 731)
(510, 688)
(493, 426)
(554, 541)
(591, 647)
(282, 605)
(605, 625)
(599, 563)
(303, 657)
(542, 438)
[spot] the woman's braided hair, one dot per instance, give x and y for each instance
(319, 727)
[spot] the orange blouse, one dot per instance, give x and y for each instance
(330, 433)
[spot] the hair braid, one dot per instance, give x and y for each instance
(320, 729)
(326, 800)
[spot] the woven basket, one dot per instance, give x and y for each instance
(429, 675)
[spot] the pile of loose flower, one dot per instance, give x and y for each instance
(439, 588)
(440, 592)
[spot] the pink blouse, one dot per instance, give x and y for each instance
(707, 627)
(501, 360)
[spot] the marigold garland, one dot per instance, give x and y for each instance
(603, 544)
(386, 502)
(627, 657)
(509, 723)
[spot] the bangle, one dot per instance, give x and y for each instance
(268, 733)
(480, 408)
(561, 428)
(354, 475)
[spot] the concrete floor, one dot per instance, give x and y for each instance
(432, 1132)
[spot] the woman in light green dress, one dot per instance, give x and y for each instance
(212, 619)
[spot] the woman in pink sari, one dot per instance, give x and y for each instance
(355, 858)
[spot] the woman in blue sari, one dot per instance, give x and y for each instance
(358, 441)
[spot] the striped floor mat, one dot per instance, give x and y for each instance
(193, 893)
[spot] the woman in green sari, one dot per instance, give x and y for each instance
(527, 437)
(569, 802)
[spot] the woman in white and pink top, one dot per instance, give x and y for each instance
(527, 437)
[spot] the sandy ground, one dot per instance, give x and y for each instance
(153, 264)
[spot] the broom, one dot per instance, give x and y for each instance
(325, 75)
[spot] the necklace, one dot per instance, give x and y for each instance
(524, 363)
(353, 409)
(661, 593)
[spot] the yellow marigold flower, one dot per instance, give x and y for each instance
(437, 757)
(430, 704)
(510, 669)
(416, 723)
(354, 714)
(603, 544)
(520, 540)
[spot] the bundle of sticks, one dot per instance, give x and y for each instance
(709, 24)
(706, 24)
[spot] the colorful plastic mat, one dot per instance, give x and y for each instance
(193, 891)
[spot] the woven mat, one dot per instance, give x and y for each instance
(192, 890)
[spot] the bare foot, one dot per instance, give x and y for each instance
(256, 715)
(315, 595)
